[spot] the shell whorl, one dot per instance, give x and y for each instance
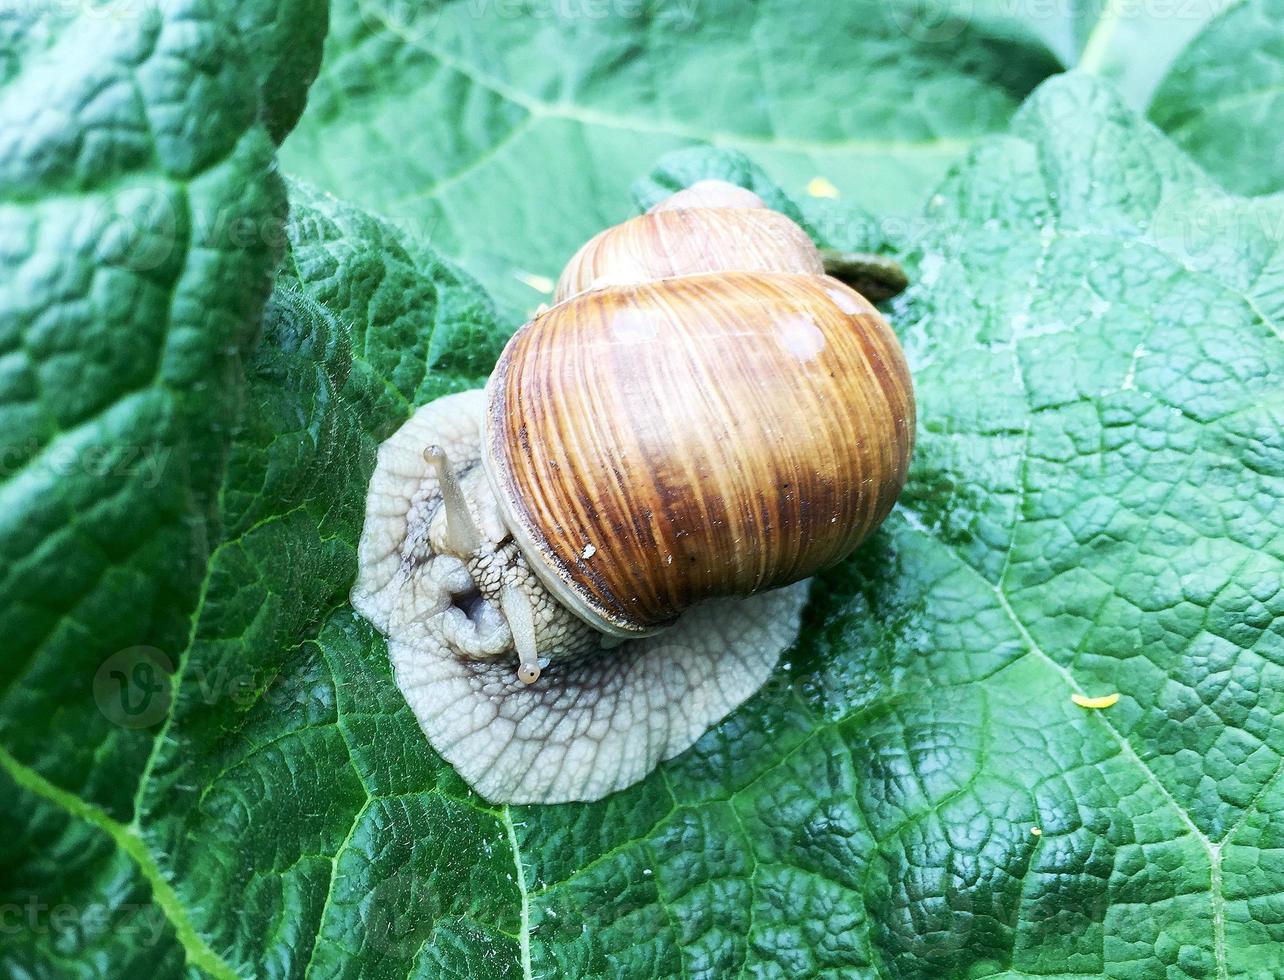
(709, 227)
(656, 442)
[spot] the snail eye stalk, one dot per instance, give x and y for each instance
(521, 623)
(462, 537)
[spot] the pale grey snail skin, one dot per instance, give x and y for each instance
(557, 641)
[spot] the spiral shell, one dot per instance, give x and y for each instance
(706, 414)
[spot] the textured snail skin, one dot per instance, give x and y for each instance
(589, 725)
(663, 443)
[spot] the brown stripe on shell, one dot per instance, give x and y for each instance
(707, 435)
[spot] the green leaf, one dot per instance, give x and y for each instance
(1223, 100)
(508, 134)
(140, 216)
(283, 42)
(281, 686)
(1208, 72)
(259, 750)
(140, 213)
(1095, 506)
(252, 749)
(1113, 499)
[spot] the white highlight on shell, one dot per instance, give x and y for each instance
(630, 326)
(582, 729)
(799, 336)
(846, 302)
(710, 194)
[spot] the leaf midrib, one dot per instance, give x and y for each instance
(569, 112)
(198, 952)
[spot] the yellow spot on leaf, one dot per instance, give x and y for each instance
(1102, 702)
(541, 284)
(820, 187)
(1037, 831)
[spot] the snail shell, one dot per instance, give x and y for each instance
(656, 442)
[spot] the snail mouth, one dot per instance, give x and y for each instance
(470, 624)
(470, 602)
(477, 628)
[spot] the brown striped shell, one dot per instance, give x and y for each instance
(704, 413)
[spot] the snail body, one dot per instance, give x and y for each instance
(702, 419)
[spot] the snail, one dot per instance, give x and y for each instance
(585, 565)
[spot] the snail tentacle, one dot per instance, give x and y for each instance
(462, 536)
(521, 623)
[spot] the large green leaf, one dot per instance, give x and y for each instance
(1095, 506)
(1209, 71)
(508, 133)
(270, 740)
(141, 221)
